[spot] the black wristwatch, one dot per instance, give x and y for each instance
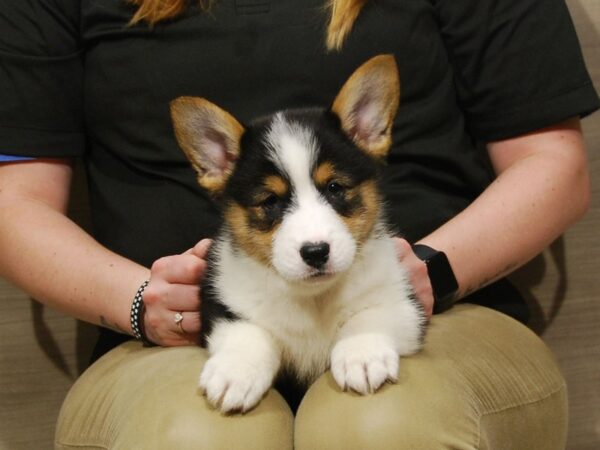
(442, 277)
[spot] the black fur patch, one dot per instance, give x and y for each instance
(212, 308)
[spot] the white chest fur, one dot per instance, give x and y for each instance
(304, 319)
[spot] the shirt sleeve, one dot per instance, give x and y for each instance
(517, 64)
(41, 85)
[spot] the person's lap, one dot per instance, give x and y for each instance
(482, 381)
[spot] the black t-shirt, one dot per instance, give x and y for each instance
(77, 81)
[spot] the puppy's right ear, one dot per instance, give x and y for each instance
(209, 137)
(367, 105)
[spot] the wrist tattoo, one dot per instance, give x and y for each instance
(488, 280)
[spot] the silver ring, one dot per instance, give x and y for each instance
(178, 321)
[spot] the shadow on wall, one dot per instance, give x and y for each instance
(532, 275)
(46, 340)
(86, 336)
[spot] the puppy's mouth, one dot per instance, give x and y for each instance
(317, 275)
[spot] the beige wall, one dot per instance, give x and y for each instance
(564, 284)
(569, 316)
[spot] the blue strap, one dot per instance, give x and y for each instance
(8, 158)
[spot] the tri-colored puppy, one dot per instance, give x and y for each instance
(303, 275)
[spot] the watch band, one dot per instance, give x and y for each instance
(441, 276)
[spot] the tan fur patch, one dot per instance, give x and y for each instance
(277, 185)
(361, 223)
(255, 243)
(324, 173)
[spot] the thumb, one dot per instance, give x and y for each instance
(200, 250)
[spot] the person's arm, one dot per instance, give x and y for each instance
(59, 264)
(542, 187)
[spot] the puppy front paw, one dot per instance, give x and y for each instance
(232, 383)
(364, 362)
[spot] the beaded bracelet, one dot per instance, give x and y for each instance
(137, 308)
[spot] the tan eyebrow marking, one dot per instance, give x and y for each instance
(324, 173)
(277, 185)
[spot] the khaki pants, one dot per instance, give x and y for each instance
(482, 381)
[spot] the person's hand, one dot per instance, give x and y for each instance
(174, 287)
(417, 271)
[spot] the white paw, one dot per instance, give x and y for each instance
(364, 362)
(233, 383)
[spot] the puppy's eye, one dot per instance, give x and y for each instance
(336, 189)
(270, 201)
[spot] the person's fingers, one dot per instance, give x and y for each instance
(172, 297)
(189, 323)
(174, 291)
(403, 248)
(165, 328)
(182, 269)
(418, 274)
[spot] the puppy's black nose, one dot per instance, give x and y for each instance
(315, 255)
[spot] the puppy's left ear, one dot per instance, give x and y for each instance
(367, 105)
(210, 138)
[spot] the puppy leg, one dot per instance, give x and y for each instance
(369, 344)
(244, 361)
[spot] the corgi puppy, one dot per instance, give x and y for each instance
(303, 275)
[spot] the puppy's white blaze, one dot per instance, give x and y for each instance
(294, 149)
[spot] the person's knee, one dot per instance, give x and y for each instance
(194, 425)
(393, 418)
(475, 363)
(136, 398)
